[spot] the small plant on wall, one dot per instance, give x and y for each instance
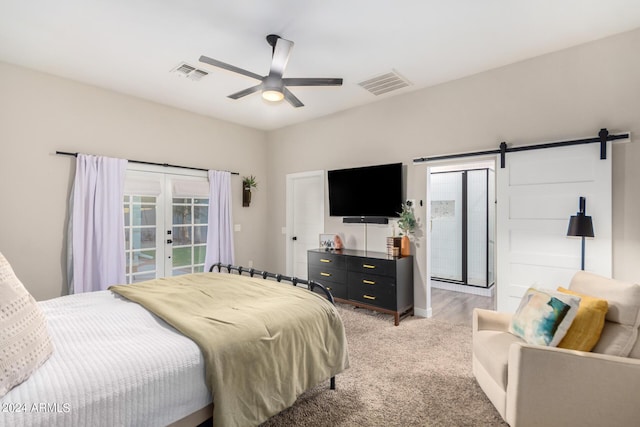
(248, 182)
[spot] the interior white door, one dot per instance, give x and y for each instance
(305, 218)
(537, 192)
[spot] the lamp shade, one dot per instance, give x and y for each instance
(580, 225)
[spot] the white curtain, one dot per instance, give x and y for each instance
(220, 231)
(96, 224)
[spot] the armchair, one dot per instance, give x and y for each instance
(533, 385)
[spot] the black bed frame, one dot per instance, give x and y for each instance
(279, 277)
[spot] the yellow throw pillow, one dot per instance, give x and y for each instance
(584, 332)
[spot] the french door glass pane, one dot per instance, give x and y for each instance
(181, 214)
(189, 229)
(140, 237)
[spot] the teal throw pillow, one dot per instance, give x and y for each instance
(544, 316)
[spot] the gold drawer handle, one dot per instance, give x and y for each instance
(368, 266)
(324, 260)
(325, 274)
(369, 282)
(368, 297)
(328, 288)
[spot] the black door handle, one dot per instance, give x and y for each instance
(294, 238)
(169, 241)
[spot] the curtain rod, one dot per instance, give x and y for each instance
(166, 165)
(602, 138)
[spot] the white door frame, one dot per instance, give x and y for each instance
(430, 165)
(289, 211)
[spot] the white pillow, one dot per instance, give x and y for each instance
(544, 316)
(24, 339)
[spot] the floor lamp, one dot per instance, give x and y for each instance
(581, 225)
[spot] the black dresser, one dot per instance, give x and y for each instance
(365, 279)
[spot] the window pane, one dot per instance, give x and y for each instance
(181, 256)
(200, 201)
(143, 199)
(181, 200)
(143, 238)
(143, 214)
(199, 253)
(181, 214)
(200, 234)
(201, 214)
(142, 277)
(198, 269)
(127, 216)
(143, 261)
(180, 271)
(126, 238)
(182, 236)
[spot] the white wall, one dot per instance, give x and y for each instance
(40, 114)
(563, 95)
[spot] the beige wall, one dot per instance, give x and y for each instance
(564, 95)
(40, 114)
(567, 94)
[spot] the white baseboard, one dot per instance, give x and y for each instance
(421, 312)
(485, 292)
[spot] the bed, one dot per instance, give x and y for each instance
(116, 363)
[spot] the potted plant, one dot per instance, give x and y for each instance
(407, 223)
(248, 182)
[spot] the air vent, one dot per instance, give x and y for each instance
(189, 71)
(385, 83)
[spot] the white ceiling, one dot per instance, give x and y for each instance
(130, 46)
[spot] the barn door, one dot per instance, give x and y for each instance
(537, 192)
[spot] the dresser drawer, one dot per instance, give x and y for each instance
(322, 274)
(338, 290)
(378, 295)
(372, 266)
(327, 259)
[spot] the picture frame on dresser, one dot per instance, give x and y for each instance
(327, 241)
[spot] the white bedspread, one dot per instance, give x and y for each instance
(114, 364)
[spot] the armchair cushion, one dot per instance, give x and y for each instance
(585, 331)
(620, 331)
(491, 349)
(544, 316)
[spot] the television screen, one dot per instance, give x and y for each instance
(374, 191)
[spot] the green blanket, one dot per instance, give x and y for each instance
(264, 342)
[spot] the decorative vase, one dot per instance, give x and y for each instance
(246, 197)
(405, 246)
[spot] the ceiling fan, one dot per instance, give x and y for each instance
(273, 85)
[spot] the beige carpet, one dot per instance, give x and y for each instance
(416, 374)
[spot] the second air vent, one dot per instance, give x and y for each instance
(189, 71)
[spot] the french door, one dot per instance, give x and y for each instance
(165, 219)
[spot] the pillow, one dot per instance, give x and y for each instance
(544, 316)
(25, 342)
(585, 330)
(620, 330)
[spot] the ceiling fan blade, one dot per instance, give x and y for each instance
(291, 98)
(228, 67)
(245, 92)
(312, 82)
(281, 53)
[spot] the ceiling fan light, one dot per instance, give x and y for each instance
(272, 95)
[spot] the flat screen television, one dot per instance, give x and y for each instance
(372, 191)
